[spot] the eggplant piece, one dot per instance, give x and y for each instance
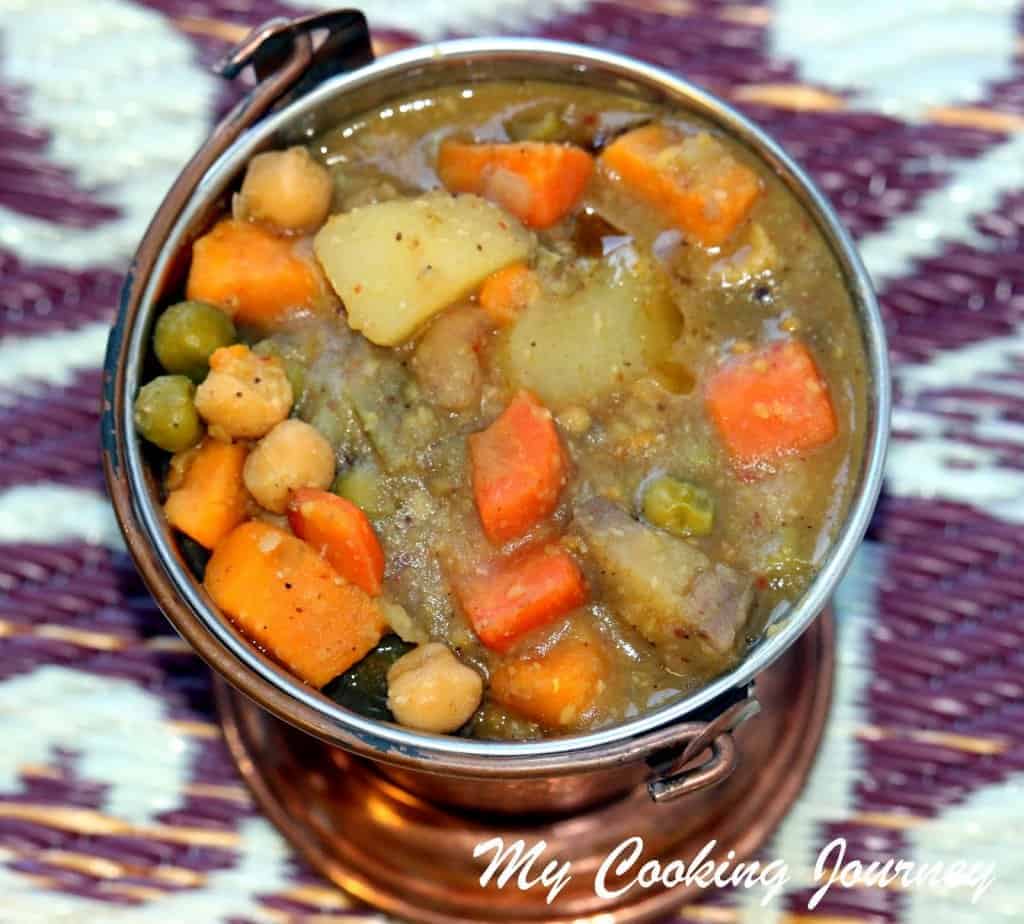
(691, 609)
(397, 425)
(195, 556)
(363, 688)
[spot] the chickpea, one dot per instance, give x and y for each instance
(446, 362)
(576, 420)
(277, 520)
(293, 455)
(287, 189)
(245, 395)
(431, 690)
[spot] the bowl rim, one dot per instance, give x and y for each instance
(215, 639)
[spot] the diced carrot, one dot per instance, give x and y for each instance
(771, 402)
(556, 688)
(255, 276)
(693, 180)
(518, 469)
(507, 292)
(208, 497)
(537, 181)
(340, 532)
(520, 593)
(291, 602)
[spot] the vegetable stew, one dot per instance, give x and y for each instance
(510, 410)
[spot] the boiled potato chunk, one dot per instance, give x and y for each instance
(396, 264)
(612, 330)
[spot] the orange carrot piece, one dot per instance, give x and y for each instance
(209, 498)
(507, 292)
(539, 182)
(770, 403)
(254, 275)
(521, 593)
(556, 688)
(290, 602)
(693, 180)
(340, 532)
(518, 468)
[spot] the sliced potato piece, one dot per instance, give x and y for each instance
(396, 264)
(613, 330)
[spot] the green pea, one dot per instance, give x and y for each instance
(787, 570)
(788, 576)
(165, 413)
(495, 723)
(361, 485)
(679, 507)
(537, 124)
(187, 334)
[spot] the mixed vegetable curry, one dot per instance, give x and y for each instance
(508, 410)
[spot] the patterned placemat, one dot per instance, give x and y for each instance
(118, 803)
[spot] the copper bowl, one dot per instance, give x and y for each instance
(311, 73)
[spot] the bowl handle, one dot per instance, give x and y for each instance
(334, 42)
(289, 57)
(710, 756)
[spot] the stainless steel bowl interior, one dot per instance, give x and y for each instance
(464, 62)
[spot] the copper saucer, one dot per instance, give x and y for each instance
(413, 859)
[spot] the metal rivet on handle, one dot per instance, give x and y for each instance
(716, 737)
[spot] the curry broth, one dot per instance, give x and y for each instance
(398, 417)
(637, 430)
